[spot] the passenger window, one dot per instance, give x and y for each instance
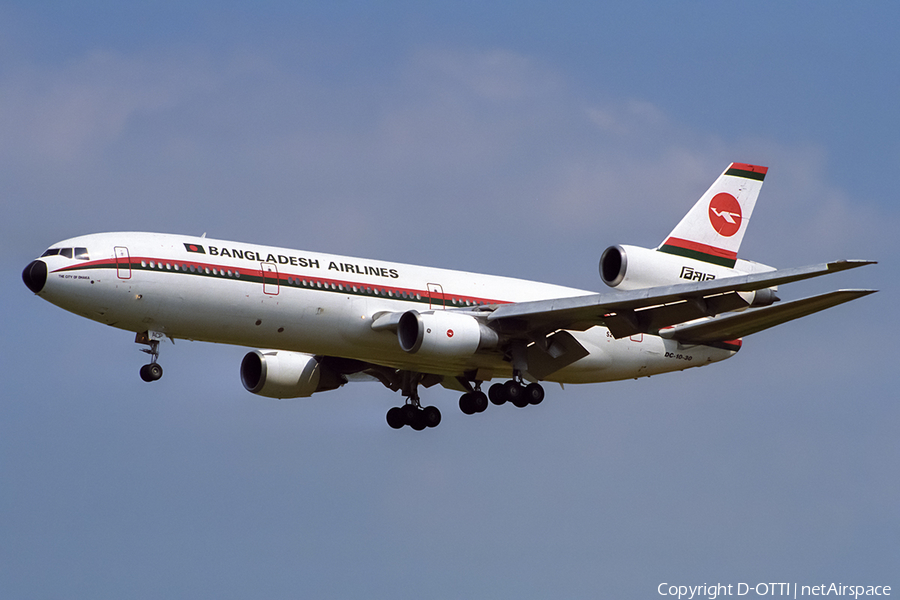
(81, 254)
(67, 252)
(51, 252)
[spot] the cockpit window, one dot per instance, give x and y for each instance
(79, 253)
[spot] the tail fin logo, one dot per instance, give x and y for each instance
(725, 214)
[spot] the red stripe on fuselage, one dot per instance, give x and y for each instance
(315, 281)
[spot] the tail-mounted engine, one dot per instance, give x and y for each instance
(443, 334)
(633, 267)
(281, 374)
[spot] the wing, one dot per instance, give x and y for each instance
(731, 327)
(652, 309)
(537, 334)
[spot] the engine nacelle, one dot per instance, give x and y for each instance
(444, 334)
(281, 374)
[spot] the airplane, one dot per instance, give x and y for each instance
(321, 320)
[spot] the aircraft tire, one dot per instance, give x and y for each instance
(515, 393)
(479, 401)
(432, 416)
(497, 394)
(395, 418)
(466, 404)
(418, 421)
(409, 413)
(151, 372)
(535, 393)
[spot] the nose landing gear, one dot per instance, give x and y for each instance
(153, 370)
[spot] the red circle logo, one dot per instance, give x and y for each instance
(725, 214)
(449, 333)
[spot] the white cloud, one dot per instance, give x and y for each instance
(62, 113)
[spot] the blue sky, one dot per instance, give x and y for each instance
(509, 138)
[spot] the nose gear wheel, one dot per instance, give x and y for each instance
(152, 371)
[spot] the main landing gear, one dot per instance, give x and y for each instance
(517, 393)
(412, 413)
(514, 391)
(153, 370)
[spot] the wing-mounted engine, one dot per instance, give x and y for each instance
(444, 334)
(281, 374)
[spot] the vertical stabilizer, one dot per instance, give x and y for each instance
(713, 229)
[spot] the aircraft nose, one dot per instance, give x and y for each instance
(35, 275)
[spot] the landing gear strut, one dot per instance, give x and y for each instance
(153, 370)
(412, 413)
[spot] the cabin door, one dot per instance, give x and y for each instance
(435, 296)
(123, 263)
(270, 278)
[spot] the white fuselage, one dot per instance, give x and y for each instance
(276, 298)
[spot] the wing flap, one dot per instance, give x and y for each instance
(553, 353)
(629, 322)
(738, 325)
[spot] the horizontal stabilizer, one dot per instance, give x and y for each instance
(735, 326)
